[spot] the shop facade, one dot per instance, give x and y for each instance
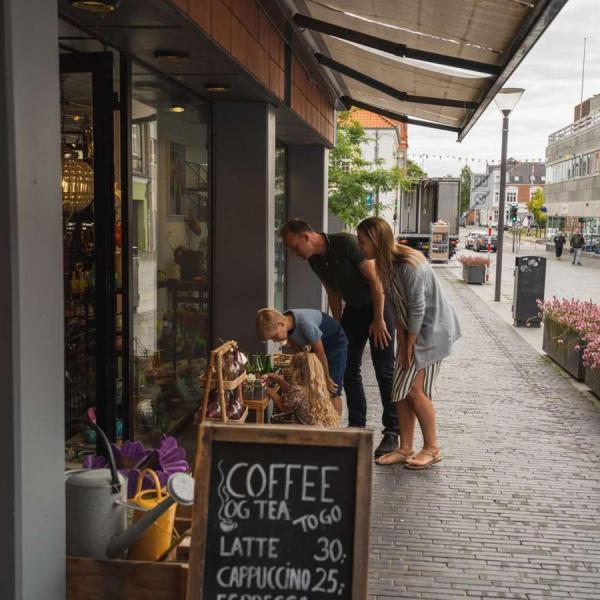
(177, 138)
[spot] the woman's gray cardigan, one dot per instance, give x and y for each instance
(429, 313)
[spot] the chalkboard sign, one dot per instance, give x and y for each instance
(280, 513)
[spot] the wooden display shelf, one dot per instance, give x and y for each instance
(259, 406)
(227, 385)
(230, 421)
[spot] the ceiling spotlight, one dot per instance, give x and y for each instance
(171, 56)
(76, 117)
(176, 108)
(217, 87)
(96, 6)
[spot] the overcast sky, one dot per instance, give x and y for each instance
(551, 76)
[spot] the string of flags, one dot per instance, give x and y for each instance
(468, 159)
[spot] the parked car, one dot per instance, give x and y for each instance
(481, 242)
(470, 239)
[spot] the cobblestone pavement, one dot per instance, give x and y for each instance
(513, 510)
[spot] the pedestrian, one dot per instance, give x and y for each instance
(305, 327)
(427, 327)
(577, 242)
(559, 242)
(357, 302)
(303, 398)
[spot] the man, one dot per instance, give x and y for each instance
(559, 242)
(577, 242)
(357, 301)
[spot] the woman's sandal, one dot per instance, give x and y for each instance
(397, 456)
(434, 457)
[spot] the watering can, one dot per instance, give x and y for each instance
(149, 538)
(94, 510)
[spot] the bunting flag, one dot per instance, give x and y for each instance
(471, 159)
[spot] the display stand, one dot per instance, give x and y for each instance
(439, 247)
(216, 364)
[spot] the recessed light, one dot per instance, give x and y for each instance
(217, 87)
(171, 56)
(97, 6)
(175, 108)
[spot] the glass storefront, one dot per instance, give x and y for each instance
(170, 244)
(136, 245)
(281, 216)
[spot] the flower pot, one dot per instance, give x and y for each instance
(569, 353)
(474, 273)
(592, 380)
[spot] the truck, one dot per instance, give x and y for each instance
(430, 201)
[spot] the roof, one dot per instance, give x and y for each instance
(437, 64)
(525, 171)
(370, 120)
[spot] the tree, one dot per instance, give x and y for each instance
(535, 207)
(465, 189)
(354, 182)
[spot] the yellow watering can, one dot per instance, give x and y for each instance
(157, 538)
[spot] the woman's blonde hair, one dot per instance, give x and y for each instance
(307, 372)
(387, 251)
(267, 320)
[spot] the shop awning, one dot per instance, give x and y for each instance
(437, 63)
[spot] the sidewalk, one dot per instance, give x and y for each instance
(513, 509)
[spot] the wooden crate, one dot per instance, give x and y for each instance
(93, 579)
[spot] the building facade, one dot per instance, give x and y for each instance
(386, 146)
(573, 163)
(523, 179)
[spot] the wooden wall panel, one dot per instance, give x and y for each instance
(309, 102)
(242, 29)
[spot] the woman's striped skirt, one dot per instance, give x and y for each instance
(404, 379)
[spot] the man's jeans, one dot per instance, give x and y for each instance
(577, 256)
(356, 322)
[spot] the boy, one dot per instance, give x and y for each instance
(308, 327)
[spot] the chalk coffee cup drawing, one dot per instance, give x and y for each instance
(226, 524)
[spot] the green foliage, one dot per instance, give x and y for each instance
(352, 179)
(465, 189)
(535, 207)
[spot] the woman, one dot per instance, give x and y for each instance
(559, 243)
(427, 327)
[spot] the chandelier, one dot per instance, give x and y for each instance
(77, 184)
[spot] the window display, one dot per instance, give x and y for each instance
(170, 245)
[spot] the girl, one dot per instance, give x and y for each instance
(304, 399)
(427, 327)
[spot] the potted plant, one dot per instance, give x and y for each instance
(591, 360)
(567, 326)
(474, 267)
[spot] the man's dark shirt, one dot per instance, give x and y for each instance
(338, 269)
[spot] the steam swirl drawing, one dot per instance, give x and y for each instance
(226, 524)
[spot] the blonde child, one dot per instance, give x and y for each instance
(308, 327)
(304, 398)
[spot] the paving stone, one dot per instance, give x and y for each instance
(512, 511)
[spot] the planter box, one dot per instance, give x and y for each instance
(474, 273)
(565, 354)
(592, 380)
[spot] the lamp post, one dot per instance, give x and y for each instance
(506, 99)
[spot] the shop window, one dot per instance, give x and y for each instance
(281, 215)
(170, 245)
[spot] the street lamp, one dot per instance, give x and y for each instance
(506, 99)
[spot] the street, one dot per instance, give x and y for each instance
(512, 509)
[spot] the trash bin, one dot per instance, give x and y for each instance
(530, 281)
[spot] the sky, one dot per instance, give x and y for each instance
(551, 77)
